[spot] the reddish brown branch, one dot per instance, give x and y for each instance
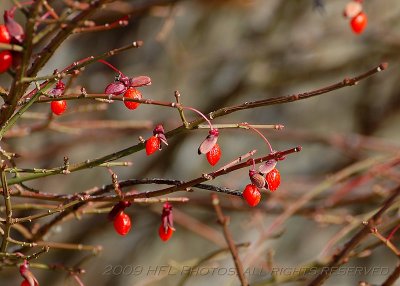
(224, 221)
(391, 280)
(361, 235)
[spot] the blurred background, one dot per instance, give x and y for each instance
(217, 54)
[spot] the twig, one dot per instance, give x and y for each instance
(7, 202)
(214, 114)
(391, 280)
(209, 257)
(362, 234)
(385, 241)
(11, 47)
(243, 126)
(223, 220)
(238, 160)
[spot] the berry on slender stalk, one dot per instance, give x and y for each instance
(252, 195)
(358, 23)
(273, 179)
(152, 145)
(166, 228)
(5, 61)
(4, 35)
(132, 93)
(122, 82)
(58, 107)
(122, 223)
(165, 233)
(214, 155)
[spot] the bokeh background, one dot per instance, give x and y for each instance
(220, 53)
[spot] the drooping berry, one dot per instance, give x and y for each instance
(273, 179)
(214, 155)
(152, 145)
(358, 23)
(5, 61)
(209, 142)
(58, 107)
(132, 93)
(122, 223)
(252, 195)
(165, 233)
(4, 35)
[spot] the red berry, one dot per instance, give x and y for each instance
(4, 35)
(252, 195)
(132, 93)
(165, 235)
(273, 179)
(122, 223)
(214, 155)
(5, 61)
(358, 23)
(152, 145)
(26, 283)
(58, 107)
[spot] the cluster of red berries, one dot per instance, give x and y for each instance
(271, 181)
(358, 19)
(122, 221)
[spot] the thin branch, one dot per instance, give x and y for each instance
(350, 245)
(391, 280)
(223, 220)
(7, 202)
(385, 241)
(220, 112)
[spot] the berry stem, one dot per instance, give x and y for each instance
(200, 113)
(110, 66)
(259, 133)
(19, 5)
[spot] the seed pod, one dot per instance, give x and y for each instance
(167, 218)
(140, 81)
(267, 166)
(16, 31)
(160, 133)
(257, 179)
(352, 9)
(209, 142)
